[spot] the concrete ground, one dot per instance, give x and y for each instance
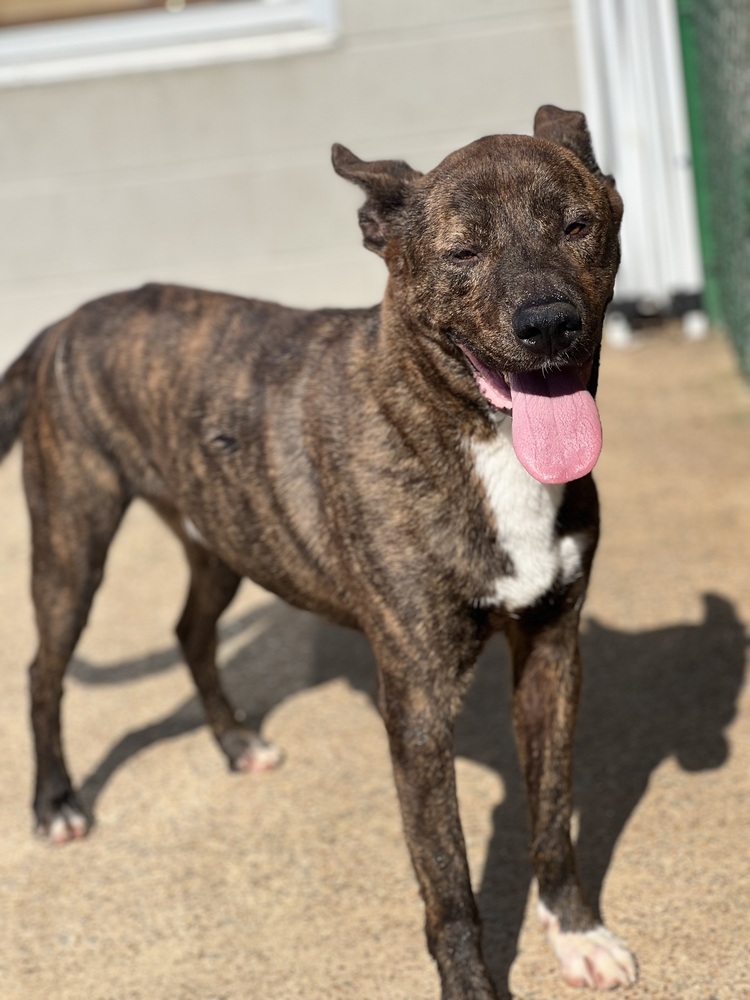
(197, 883)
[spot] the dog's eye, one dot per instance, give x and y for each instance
(577, 228)
(464, 254)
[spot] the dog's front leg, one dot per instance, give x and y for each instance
(419, 702)
(547, 677)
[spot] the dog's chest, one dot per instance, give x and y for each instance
(533, 555)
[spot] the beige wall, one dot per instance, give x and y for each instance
(221, 176)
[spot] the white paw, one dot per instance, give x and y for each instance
(258, 756)
(594, 958)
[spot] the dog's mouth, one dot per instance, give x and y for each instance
(557, 434)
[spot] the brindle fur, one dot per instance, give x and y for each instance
(326, 456)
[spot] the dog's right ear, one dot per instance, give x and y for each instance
(386, 183)
(569, 129)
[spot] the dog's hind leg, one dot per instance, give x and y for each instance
(212, 586)
(76, 501)
(547, 676)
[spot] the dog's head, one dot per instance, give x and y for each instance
(508, 251)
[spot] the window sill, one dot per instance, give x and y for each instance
(160, 40)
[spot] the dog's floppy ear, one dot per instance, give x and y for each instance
(386, 183)
(569, 129)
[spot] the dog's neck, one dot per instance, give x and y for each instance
(439, 383)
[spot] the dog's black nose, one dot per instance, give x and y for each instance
(548, 327)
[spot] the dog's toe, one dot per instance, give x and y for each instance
(259, 756)
(65, 823)
(595, 958)
(248, 752)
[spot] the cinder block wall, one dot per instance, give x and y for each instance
(221, 176)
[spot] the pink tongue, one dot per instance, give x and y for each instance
(557, 434)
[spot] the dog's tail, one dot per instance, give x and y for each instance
(14, 394)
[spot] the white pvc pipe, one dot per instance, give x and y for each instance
(631, 78)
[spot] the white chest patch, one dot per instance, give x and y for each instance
(525, 512)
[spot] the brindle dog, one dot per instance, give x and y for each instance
(419, 470)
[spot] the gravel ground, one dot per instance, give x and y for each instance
(197, 883)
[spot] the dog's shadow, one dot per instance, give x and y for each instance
(647, 696)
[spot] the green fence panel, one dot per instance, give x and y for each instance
(716, 52)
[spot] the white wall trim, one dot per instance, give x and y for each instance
(159, 39)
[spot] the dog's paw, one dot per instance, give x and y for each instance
(62, 823)
(247, 752)
(594, 958)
